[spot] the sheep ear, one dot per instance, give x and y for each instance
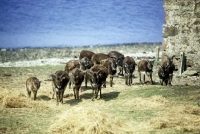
(53, 76)
(98, 71)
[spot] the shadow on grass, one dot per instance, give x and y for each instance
(105, 96)
(110, 96)
(73, 102)
(87, 96)
(43, 97)
(83, 88)
(147, 83)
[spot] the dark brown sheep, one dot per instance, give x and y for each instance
(165, 71)
(32, 85)
(111, 66)
(145, 67)
(118, 57)
(96, 58)
(85, 57)
(71, 64)
(85, 63)
(97, 76)
(76, 79)
(163, 75)
(59, 82)
(86, 53)
(129, 67)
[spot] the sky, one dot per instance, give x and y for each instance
(52, 23)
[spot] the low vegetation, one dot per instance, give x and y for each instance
(123, 109)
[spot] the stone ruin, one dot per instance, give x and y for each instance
(181, 32)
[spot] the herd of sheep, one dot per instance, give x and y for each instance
(95, 68)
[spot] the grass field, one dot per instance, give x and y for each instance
(124, 109)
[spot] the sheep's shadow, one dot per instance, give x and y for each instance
(72, 102)
(147, 83)
(43, 97)
(109, 96)
(105, 96)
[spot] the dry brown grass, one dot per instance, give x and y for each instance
(80, 120)
(184, 118)
(16, 99)
(153, 102)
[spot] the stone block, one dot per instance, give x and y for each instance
(196, 30)
(190, 73)
(169, 31)
(197, 15)
(170, 5)
(196, 21)
(187, 5)
(164, 44)
(166, 16)
(185, 41)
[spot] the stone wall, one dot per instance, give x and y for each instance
(181, 31)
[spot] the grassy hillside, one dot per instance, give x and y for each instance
(123, 109)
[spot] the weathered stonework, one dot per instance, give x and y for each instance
(181, 33)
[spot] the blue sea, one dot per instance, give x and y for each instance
(43, 23)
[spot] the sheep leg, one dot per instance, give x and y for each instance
(57, 98)
(131, 80)
(53, 94)
(35, 94)
(161, 82)
(74, 93)
(86, 79)
(77, 92)
(29, 93)
(94, 93)
(140, 77)
(126, 79)
(100, 92)
(170, 79)
(62, 93)
(70, 84)
(120, 71)
(111, 81)
(54, 90)
(144, 78)
(151, 78)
